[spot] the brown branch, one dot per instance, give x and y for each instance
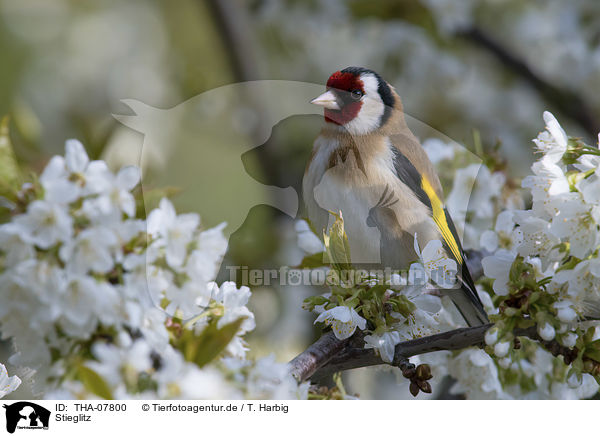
(318, 354)
(244, 54)
(566, 101)
(457, 339)
(234, 27)
(329, 355)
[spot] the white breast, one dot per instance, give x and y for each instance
(322, 149)
(332, 189)
(345, 188)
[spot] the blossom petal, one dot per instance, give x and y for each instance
(75, 156)
(128, 177)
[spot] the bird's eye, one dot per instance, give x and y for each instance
(356, 94)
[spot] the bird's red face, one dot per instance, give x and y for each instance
(357, 99)
(349, 89)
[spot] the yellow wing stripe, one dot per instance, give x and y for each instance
(439, 216)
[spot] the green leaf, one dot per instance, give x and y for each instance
(593, 354)
(10, 175)
(310, 302)
(312, 261)
(93, 382)
(592, 350)
(337, 246)
(589, 335)
(516, 270)
(209, 344)
(379, 290)
(402, 305)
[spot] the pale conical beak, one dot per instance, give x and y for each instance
(328, 100)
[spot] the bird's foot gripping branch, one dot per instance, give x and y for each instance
(541, 289)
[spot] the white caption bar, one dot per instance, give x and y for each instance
(292, 417)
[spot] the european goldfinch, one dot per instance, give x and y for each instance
(367, 164)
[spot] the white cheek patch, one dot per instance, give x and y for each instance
(372, 108)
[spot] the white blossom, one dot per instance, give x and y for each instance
(7, 384)
(498, 267)
(552, 143)
(13, 244)
(476, 375)
(66, 179)
(569, 339)
(425, 318)
(503, 235)
(115, 197)
(343, 321)
(91, 250)
(536, 239)
(307, 240)
(77, 272)
(574, 223)
(270, 379)
(175, 231)
(234, 302)
(438, 151)
(204, 262)
(113, 361)
(385, 344)
(438, 266)
(549, 180)
(45, 224)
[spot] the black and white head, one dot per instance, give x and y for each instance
(357, 99)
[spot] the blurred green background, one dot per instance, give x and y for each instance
(460, 66)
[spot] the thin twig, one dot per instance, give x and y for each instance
(244, 54)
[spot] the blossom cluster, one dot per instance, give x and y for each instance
(533, 264)
(101, 302)
(390, 308)
(545, 271)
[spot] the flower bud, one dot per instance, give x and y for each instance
(574, 380)
(424, 372)
(424, 386)
(414, 388)
(546, 332)
(491, 336)
(501, 349)
(504, 362)
(566, 314)
(569, 340)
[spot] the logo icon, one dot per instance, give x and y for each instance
(26, 415)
